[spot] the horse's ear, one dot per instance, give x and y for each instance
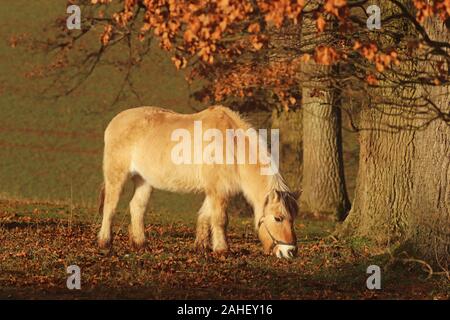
(274, 196)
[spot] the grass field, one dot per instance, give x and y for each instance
(50, 172)
(51, 149)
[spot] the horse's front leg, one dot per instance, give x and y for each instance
(203, 225)
(219, 222)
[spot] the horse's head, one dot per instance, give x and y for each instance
(276, 225)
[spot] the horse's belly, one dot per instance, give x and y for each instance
(170, 177)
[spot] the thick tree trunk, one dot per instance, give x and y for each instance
(429, 229)
(384, 183)
(429, 224)
(321, 175)
(403, 186)
(323, 182)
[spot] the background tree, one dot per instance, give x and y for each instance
(323, 180)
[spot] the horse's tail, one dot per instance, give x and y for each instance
(101, 199)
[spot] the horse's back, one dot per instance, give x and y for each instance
(130, 117)
(151, 118)
(142, 138)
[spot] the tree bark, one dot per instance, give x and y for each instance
(429, 223)
(323, 181)
(429, 229)
(402, 196)
(384, 182)
(324, 191)
(402, 193)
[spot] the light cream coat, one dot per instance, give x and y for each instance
(138, 146)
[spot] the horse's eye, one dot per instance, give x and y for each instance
(278, 219)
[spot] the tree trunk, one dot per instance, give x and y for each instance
(403, 187)
(429, 224)
(323, 182)
(429, 230)
(402, 195)
(384, 182)
(324, 191)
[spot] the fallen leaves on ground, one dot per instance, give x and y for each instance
(35, 253)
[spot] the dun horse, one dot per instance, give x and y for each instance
(139, 146)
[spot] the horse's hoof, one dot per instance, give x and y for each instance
(201, 246)
(221, 254)
(138, 245)
(221, 248)
(104, 246)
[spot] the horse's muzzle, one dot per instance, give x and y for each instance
(286, 251)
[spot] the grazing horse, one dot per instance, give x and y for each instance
(139, 145)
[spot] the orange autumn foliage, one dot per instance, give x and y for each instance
(219, 32)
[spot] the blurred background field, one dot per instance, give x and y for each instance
(51, 148)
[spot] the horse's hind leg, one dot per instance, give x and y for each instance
(212, 217)
(114, 182)
(138, 206)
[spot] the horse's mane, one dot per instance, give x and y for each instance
(287, 198)
(277, 183)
